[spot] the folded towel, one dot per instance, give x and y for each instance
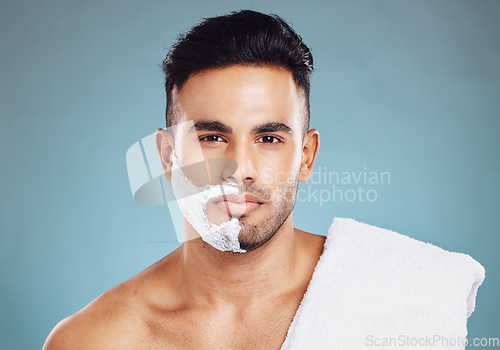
(377, 289)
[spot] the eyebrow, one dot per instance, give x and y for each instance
(211, 125)
(214, 125)
(272, 127)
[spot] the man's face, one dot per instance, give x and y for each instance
(255, 117)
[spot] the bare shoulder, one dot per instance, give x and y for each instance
(114, 320)
(105, 323)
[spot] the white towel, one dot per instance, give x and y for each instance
(377, 289)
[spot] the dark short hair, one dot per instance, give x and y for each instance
(245, 37)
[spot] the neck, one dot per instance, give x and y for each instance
(222, 278)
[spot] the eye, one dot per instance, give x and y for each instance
(212, 138)
(269, 139)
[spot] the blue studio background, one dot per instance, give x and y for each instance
(410, 88)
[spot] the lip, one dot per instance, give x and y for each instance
(238, 205)
(239, 198)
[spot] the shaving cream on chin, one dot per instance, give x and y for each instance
(193, 201)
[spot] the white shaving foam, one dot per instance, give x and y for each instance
(193, 201)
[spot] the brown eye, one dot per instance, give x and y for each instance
(269, 139)
(212, 138)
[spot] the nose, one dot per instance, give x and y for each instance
(246, 171)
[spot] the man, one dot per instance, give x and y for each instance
(249, 102)
(237, 90)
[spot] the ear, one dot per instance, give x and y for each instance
(165, 146)
(310, 150)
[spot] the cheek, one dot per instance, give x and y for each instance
(279, 172)
(284, 193)
(188, 149)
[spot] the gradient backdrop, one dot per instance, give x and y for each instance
(406, 87)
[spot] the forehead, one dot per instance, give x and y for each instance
(246, 95)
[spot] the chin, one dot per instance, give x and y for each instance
(251, 238)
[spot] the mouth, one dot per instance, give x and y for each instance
(238, 205)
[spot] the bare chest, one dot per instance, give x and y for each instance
(266, 329)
